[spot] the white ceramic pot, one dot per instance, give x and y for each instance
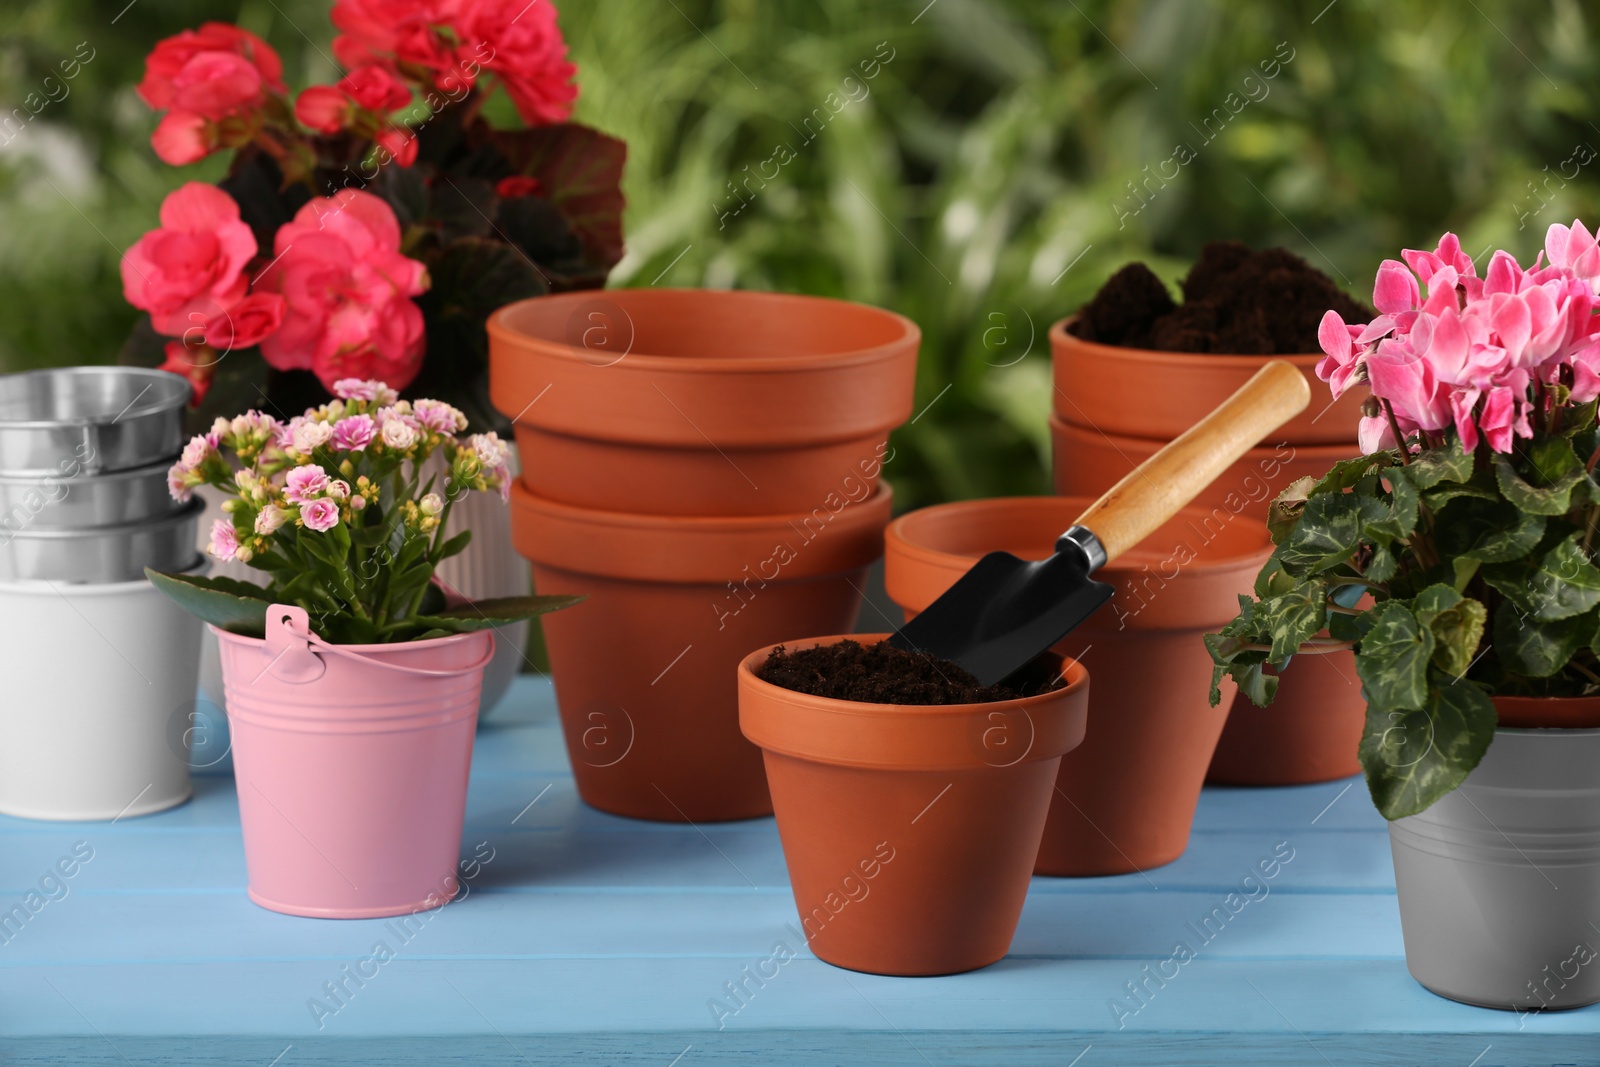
(489, 567)
(1499, 881)
(100, 691)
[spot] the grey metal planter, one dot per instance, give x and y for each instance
(1499, 882)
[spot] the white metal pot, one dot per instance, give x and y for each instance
(1499, 882)
(100, 690)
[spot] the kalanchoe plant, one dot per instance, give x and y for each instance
(343, 509)
(1456, 557)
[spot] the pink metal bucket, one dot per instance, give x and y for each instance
(351, 763)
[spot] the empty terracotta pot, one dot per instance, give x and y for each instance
(645, 667)
(1313, 729)
(909, 831)
(1138, 392)
(1126, 796)
(700, 402)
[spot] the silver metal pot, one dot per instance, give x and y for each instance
(1499, 882)
(60, 501)
(86, 420)
(117, 553)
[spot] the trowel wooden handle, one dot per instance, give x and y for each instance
(1154, 491)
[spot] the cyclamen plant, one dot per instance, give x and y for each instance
(339, 508)
(1456, 555)
(367, 228)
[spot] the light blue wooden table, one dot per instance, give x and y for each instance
(588, 939)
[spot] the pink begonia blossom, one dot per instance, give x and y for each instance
(303, 484)
(191, 270)
(224, 541)
(349, 289)
(1476, 354)
(320, 515)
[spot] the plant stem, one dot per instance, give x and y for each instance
(1312, 647)
(1399, 438)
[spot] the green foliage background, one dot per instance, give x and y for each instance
(971, 184)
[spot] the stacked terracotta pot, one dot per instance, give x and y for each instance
(704, 468)
(1113, 408)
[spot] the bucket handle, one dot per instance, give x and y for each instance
(293, 650)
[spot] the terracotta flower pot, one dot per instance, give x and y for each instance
(909, 831)
(1313, 729)
(644, 668)
(700, 402)
(1497, 881)
(1137, 392)
(1126, 796)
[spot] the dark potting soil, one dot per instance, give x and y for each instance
(883, 674)
(1236, 301)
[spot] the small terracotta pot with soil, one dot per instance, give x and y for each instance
(1134, 369)
(910, 829)
(699, 402)
(644, 667)
(1125, 798)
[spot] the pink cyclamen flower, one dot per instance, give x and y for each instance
(191, 269)
(224, 541)
(1574, 249)
(348, 289)
(304, 484)
(320, 515)
(354, 434)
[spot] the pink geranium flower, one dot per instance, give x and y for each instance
(191, 270)
(348, 288)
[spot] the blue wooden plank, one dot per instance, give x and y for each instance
(593, 939)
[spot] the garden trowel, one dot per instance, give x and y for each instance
(1005, 611)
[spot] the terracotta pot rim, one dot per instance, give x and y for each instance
(896, 538)
(910, 334)
(1334, 452)
(1059, 335)
(699, 550)
(647, 522)
(902, 737)
(1077, 678)
(1568, 714)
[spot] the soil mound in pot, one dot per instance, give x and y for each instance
(1236, 300)
(882, 674)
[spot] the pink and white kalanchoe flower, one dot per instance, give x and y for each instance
(325, 468)
(1481, 355)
